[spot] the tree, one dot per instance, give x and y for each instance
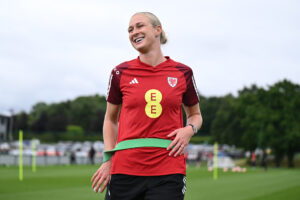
(85, 110)
(58, 116)
(209, 107)
(251, 108)
(96, 123)
(21, 121)
(226, 127)
(36, 111)
(283, 126)
(40, 124)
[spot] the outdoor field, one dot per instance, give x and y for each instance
(73, 182)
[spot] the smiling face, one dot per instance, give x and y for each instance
(142, 35)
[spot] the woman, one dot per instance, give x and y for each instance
(144, 101)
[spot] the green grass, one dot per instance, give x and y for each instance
(73, 182)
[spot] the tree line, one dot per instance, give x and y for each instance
(256, 117)
(65, 120)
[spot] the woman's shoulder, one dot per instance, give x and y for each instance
(126, 64)
(179, 65)
(182, 67)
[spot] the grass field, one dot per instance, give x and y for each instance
(73, 183)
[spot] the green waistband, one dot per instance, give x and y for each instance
(136, 143)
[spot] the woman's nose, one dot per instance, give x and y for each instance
(135, 32)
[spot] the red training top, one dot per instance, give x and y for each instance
(151, 99)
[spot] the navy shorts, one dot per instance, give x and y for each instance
(127, 187)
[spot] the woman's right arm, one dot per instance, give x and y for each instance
(110, 131)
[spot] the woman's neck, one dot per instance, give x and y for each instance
(152, 58)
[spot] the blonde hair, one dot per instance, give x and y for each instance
(155, 22)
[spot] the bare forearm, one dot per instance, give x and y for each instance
(110, 131)
(195, 119)
(193, 115)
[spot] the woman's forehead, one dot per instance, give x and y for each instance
(138, 18)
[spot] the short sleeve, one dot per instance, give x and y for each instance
(190, 97)
(114, 94)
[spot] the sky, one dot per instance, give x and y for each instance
(57, 50)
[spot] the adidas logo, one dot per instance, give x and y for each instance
(134, 81)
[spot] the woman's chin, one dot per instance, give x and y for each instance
(141, 49)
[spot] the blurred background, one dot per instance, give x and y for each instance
(56, 58)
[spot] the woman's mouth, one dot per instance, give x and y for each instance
(137, 40)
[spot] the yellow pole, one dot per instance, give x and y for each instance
(21, 155)
(216, 161)
(33, 156)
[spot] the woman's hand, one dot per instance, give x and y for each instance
(181, 141)
(101, 177)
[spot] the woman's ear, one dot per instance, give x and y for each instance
(158, 30)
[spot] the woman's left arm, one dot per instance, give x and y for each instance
(183, 135)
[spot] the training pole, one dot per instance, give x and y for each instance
(33, 156)
(216, 161)
(21, 155)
